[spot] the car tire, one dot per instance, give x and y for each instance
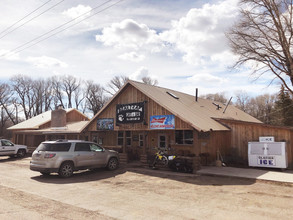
(112, 164)
(66, 170)
(21, 153)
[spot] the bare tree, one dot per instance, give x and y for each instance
(57, 91)
(263, 36)
(262, 107)
(218, 97)
(7, 104)
(242, 100)
(95, 97)
(23, 90)
(48, 94)
(115, 84)
(148, 80)
(79, 97)
(69, 85)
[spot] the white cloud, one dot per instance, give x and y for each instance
(77, 11)
(132, 56)
(140, 73)
(206, 78)
(45, 62)
(129, 34)
(200, 34)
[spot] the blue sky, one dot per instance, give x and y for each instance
(181, 43)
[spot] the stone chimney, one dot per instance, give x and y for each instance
(58, 118)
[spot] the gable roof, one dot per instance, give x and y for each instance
(200, 115)
(39, 120)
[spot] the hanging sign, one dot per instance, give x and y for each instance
(162, 122)
(130, 113)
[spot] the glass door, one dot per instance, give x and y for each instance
(162, 141)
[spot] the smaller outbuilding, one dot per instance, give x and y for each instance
(50, 125)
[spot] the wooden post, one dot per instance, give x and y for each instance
(124, 142)
(144, 143)
(143, 156)
(123, 156)
(196, 150)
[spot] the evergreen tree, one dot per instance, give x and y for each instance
(284, 108)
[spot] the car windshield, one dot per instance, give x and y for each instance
(54, 147)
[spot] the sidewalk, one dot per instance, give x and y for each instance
(251, 173)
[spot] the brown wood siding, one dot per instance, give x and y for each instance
(243, 132)
(46, 125)
(132, 95)
(74, 116)
(211, 142)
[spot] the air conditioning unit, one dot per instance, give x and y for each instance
(267, 154)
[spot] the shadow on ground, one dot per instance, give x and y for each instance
(103, 174)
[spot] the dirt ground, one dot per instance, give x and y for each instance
(136, 193)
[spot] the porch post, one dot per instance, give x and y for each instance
(123, 155)
(196, 150)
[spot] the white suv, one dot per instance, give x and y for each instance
(7, 148)
(65, 156)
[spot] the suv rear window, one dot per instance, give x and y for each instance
(54, 147)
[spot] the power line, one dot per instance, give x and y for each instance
(18, 49)
(30, 19)
(6, 29)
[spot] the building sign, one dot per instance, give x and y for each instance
(105, 124)
(266, 139)
(266, 161)
(130, 113)
(162, 122)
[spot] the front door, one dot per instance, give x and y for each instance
(162, 141)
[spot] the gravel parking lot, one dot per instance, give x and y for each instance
(136, 193)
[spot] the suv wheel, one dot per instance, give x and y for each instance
(112, 164)
(66, 170)
(20, 153)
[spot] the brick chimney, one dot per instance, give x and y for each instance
(58, 118)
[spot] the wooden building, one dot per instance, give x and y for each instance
(140, 118)
(50, 125)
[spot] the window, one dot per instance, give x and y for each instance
(128, 138)
(6, 143)
(82, 147)
(184, 137)
(120, 138)
(95, 147)
(54, 147)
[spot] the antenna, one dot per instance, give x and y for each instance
(227, 105)
(218, 106)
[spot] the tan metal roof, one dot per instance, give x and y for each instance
(72, 127)
(36, 121)
(199, 115)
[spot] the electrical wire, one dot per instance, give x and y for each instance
(31, 19)
(18, 49)
(6, 29)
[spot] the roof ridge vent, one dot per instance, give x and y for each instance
(171, 94)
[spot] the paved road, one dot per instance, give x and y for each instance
(138, 193)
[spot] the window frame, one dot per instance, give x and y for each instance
(185, 137)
